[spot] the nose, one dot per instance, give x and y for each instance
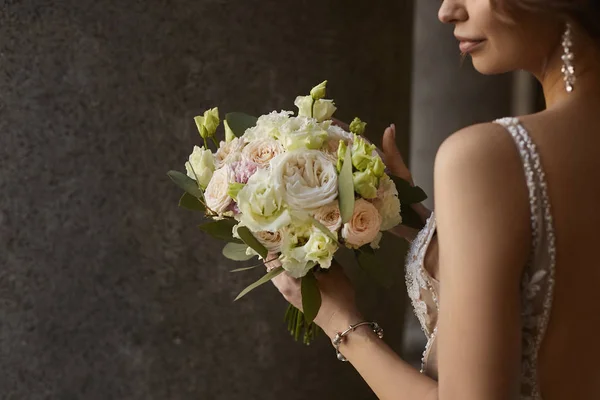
(452, 11)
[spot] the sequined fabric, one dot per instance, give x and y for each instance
(537, 284)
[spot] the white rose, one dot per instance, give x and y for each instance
(216, 195)
(303, 133)
(229, 152)
(388, 204)
(200, 166)
(307, 178)
(321, 111)
(364, 225)
(261, 151)
(303, 248)
(267, 126)
(261, 204)
(329, 215)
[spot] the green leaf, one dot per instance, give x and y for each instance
(375, 268)
(346, 187)
(270, 275)
(262, 264)
(246, 268)
(410, 218)
(251, 241)
(407, 193)
(311, 297)
(222, 229)
(186, 183)
(191, 203)
(239, 122)
(325, 230)
(236, 252)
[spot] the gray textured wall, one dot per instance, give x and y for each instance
(107, 290)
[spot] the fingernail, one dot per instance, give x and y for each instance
(394, 130)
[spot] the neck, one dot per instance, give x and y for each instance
(587, 72)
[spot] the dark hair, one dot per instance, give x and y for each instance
(586, 13)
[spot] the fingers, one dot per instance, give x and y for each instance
(392, 156)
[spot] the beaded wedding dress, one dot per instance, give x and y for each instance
(537, 282)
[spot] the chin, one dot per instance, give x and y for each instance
(489, 65)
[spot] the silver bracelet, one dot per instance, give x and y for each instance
(340, 336)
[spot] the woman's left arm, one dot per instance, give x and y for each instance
(483, 238)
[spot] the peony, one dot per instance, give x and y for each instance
(307, 179)
(388, 204)
(329, 215)
(364, 225)
(261, 204)
(262, 151)
(267, 126)
(201, 166)
(229, 152)
(303, 248)
(303, 133)
(216, 195)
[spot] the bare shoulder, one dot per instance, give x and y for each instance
(482, 149)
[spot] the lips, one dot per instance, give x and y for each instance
(469, 45)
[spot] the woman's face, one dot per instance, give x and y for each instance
(498, 43)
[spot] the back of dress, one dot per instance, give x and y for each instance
(537, 285)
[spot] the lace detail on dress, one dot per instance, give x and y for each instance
(418, 283)
(537, 286)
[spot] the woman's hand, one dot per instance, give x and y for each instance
(338, 307)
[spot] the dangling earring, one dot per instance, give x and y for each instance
(568, 69)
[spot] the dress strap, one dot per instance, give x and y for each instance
(537, 287)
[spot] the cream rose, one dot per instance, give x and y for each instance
(271, 240)
(364, 225)
(307, 179)
(388, 204)
(216, 195)
(262, 151)
(229, 152)
(329, 215)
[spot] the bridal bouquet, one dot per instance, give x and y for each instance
(292, 190)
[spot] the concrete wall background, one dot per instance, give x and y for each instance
(107, 290)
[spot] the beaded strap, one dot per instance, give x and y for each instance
(538, 278)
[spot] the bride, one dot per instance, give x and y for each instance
(504, 277)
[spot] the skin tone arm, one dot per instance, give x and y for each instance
(484, 236)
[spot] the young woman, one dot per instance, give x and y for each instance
(505, 277)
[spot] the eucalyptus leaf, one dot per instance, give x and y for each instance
(221, 229)
(262, 264)
(346, 187)
(246, 268)
(239, 122)
(407, 193)
(251, 241)
(190, 202)
(311, 297)
(186, 183)
(236, 252)
(375, 268)
(270, 275)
